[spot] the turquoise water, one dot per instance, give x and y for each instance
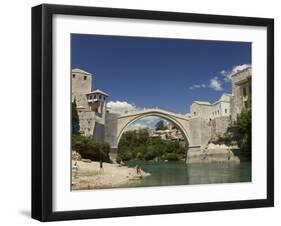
(180, 173)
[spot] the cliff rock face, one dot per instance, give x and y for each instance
(213, 154)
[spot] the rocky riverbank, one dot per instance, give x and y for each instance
(88, 175)
(214, 153)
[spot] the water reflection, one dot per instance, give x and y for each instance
(179, 173)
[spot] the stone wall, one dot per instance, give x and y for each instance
(206, 133)
(218, 155)
(219, 125)
(81, 101)
(111, 129)
(240, 80)
(99, 132)
(201, 110)
(87, 122)
(200, 131)
(81, 83)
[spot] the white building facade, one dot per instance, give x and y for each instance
(209, 111)
(222, 106)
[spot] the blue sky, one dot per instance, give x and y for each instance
(150, 72)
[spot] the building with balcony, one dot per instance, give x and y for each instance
(91, 104)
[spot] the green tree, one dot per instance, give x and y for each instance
(240, 133)
(143, 136)
(88, 149)
(244, 128)
(74, 118)
(138, 145)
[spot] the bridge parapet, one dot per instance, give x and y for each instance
(156, 110)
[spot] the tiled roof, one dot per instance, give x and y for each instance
(98, 91)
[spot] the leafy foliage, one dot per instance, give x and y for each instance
(228, 138)
(244, 128)
(138, 145)
(88, 149)
(74, 118)
(240, 132)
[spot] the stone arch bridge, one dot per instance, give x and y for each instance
(194, 130)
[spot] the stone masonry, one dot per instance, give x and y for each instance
(91, 105)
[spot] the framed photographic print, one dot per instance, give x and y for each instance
(145, 112)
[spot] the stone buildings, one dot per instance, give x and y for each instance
(221, 108)
(168, 134)
(205, 121)
(202, 109)
(223, 112)
(241, 91)
(210, 111)
(91, 105)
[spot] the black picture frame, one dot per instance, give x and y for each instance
(42, 111)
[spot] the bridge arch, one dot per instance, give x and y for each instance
(125, 121)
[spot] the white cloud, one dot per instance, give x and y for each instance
(120, 107)
(215, 84)
(197, 86)
(150, 120)
(223, 72)
(239, 68)
(147, 122)
(227, 74)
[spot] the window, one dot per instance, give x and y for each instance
(225, 110)
(90, 97)
(85, 77)
(95, 96)
(73, 75)
(194, 113)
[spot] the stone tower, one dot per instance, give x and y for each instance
(241, 91)
(91, 105)
(81, 85)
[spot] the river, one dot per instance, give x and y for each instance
(180, 173)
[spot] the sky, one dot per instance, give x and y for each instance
(140, 72)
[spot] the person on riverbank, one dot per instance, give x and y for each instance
(101, 165)
(139, 171)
